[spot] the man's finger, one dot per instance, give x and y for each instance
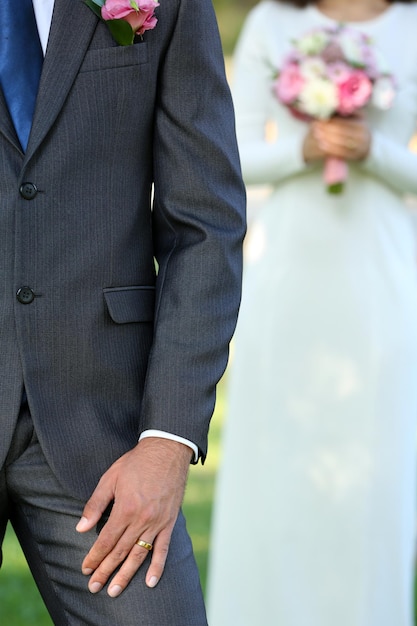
(159, 557)
(96, 506)
(111, 544)
(133, 561)
(131, 558)
(137, 556)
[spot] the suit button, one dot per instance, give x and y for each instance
(28, 191)
(25, 295)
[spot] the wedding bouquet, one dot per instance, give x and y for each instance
(333, 71)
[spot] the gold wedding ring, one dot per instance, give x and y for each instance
(144, 544)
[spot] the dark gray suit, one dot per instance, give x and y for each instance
(103, 346)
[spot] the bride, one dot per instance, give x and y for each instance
(314, 518)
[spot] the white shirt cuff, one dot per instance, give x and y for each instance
(163, 435)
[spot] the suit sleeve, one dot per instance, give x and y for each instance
(198, 226)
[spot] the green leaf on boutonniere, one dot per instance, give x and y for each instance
(121, 31)
(95, 6)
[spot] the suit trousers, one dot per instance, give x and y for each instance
(44, 519)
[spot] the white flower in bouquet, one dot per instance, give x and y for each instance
(312, 43)
(383, 93)
(313, 68)
(318, 98)
(352, 47)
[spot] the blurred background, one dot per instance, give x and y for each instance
(20, 602)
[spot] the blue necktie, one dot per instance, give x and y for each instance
(21, 61)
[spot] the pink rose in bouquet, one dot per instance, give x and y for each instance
(289, 88)
(354, 92)
(333, 71)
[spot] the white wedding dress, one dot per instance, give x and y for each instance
(314, 519)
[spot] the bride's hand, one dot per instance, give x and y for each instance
(345, 138)
(312, 151)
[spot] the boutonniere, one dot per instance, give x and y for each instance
(125, 18)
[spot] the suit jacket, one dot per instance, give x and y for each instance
(132, 158)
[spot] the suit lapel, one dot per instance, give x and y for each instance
(6, 124)
(73, 25)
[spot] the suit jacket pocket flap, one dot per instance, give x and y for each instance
(130, 304)
(115, 57)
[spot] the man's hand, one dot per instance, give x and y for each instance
(147, 486)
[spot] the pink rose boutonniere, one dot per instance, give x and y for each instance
(125, 18)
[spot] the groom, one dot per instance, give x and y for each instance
(122, 219)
